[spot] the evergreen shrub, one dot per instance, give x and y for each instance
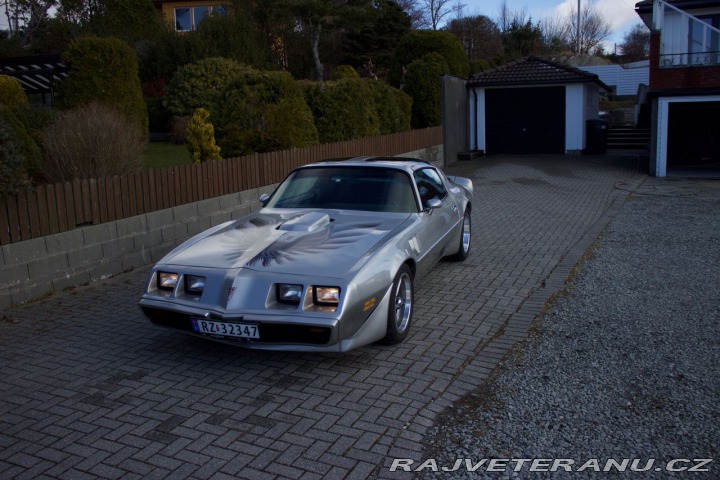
(13, 176)
(201, 137)
(343, 110)
(11, 92)
(418, 43)
(422, 83)
(344, 71)
(104, 70)
(196, 85)
(262, 112)
(394, 107)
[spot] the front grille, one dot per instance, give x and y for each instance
(269, 332)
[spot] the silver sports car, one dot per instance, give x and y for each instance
(328, 263)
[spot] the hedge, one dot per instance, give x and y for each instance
(261, 112)
(196, 85)
(422, 83)
(104, 70)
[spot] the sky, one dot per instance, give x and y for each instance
(620, 13)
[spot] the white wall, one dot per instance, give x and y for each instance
(574, 117)
(476, 101)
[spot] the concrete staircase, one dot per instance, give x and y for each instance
(628, 138)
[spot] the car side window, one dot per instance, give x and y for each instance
(429, 185)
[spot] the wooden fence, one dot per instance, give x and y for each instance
(60, 207)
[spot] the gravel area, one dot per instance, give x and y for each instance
(624, 365)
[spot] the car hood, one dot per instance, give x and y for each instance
(324, 243)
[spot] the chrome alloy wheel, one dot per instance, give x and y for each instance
(403, 302)
(467, 224)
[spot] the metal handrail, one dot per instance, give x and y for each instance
(689, 59)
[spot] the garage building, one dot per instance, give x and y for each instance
(533, 106)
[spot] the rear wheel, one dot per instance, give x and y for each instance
(465, 235)
(401, 307)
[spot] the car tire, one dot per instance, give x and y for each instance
(401, 307)
(465, 236)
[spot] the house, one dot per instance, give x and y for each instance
(531, 105)
(187, 15)
(684, 90)
(623, 79)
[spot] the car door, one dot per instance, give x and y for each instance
(436, 223)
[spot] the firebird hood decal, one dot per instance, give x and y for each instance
(260, 242)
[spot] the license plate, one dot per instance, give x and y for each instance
(227, 329)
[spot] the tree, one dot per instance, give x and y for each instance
(419, 43)
(436, 10)
(319, 16)
(507, 17)
(375, 39)
(479, 36)
(129, 20)
(26, 17)
(411, 8)
(594, 28)
(522, 39)
(636, 43)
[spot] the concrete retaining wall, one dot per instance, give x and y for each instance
(35, 268)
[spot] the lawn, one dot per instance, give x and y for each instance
(165, 154)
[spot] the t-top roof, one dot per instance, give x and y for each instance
(533, 71)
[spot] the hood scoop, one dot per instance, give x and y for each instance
(308, 222)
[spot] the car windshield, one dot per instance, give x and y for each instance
(347, 188)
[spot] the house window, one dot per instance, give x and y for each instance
(183, 19)
(188, 18)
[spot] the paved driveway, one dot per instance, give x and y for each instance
(90, 389)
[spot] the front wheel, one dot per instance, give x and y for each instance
(401, 307)
(465, 234)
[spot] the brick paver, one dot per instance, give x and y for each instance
(89, 389)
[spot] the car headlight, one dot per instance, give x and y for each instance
(167, 280)
(194, 284)
(289, 293)
(326, 296)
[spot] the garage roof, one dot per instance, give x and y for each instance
(533, 71)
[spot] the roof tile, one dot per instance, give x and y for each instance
(533, 71)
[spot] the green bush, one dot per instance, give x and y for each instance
(22, 137)
(201, 137)
(261, 112)
(13, 176)
(196, 85)
(394, 107)
(422, 83)
(104, 70)
(344, 71)
(92, 141)
(343, 110)
(11, 92)
(419, 43)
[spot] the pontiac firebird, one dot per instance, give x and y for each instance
(328, 264)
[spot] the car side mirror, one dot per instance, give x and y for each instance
(264, 198)
(433, 203)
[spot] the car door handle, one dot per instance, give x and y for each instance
(454, 209)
